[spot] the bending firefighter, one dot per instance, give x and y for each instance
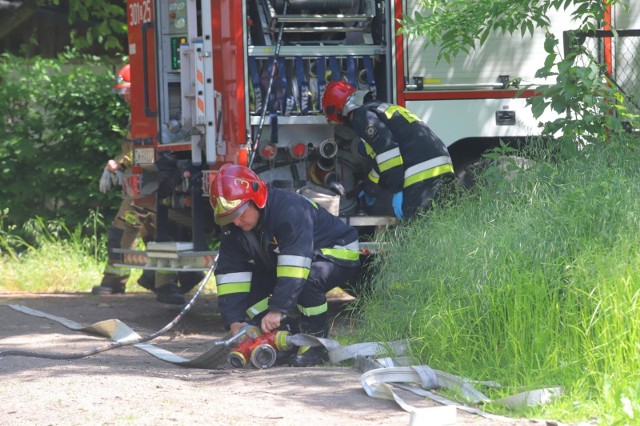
(407, 157)
(278, 251)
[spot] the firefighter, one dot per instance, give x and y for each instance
(131, 223)
(407, 157)
(278, 251)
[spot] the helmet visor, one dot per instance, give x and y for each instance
(226, 211)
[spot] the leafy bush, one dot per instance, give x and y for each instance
(60, 122)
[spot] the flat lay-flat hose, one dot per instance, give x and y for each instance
(118, 344)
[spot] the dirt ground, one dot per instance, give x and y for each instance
(129, 386)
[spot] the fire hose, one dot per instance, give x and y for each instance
(258, 350)
(274, 66)
(120, 343)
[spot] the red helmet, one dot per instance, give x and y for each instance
(334, 100)
(123, 81)
(232, 188)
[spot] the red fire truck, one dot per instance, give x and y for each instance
(240, 81)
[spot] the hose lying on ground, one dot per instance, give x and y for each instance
(114, 345)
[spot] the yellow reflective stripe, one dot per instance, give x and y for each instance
(313, 310)
(258, 308)
(388, 165)
(389, 110)
(389, 159)
(292, 272)
(131, 218)
(232, 288)
(344, 254)
(427, 174)
(235, 282)
(293, 266)
(117, 271)
(374, 176)
(292, 260)
(388, 155)
(427, 169)
(370, 152)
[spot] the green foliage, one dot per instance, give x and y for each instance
(457, 26)
(60, 123)
(531, 280)
(11, 244)
(108, 19)
(596, 109)
(60, 259)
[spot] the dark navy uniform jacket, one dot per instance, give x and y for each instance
(404, 149)
(292, 232)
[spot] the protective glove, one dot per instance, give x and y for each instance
(370, 201)
(117, 178)
(105, 181)
(396, 202)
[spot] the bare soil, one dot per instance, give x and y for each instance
(129, 386)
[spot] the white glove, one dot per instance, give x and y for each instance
(105, 181)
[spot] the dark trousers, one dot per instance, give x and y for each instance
(420, 196)
(323, 276)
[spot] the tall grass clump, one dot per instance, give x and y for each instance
(531, 281)
(52, 258)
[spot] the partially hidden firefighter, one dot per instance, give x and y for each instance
(408, 158)
(279, 251)
(128, 224)
(132, 222)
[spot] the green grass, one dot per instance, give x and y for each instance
(53, 268)
(50, 258)
(532, 281)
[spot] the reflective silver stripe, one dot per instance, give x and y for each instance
(258, 308)
(388, 155)
(374, 174)
(290, 260)
(382, 108)
(235, 277)
(426, 165)
(351, 246)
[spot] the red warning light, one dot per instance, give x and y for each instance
(269, 152)
(299, 151)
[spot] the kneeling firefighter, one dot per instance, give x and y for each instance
(278, 250)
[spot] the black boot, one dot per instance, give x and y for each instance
(108, 288)
(308, 356)
(311, 355)
(189, 280)
(147, 280)
(169, 294)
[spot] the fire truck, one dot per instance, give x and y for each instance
(240, 81)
